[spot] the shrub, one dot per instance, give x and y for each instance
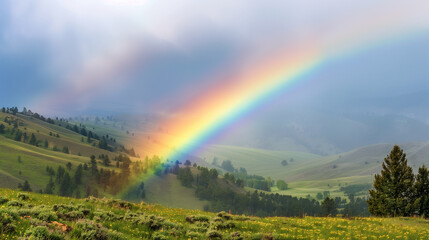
(15, 203)
(47, 216)
(7, 223)
(214, 235)
(236, 236)
(23, 196)
(224, 215)
(158, 236)
(192, 234)
(3, 200)
(39, 232)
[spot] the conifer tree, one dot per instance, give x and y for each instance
(26, 186)
(393, 190)
(93, 164)
(33, 140)
(65, 186)
(50, 186)
(422, 192)
(78, 175)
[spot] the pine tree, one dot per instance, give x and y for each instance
(93, 162)
(78, 175)
(329, 207)
(393, 190)
(65, 186)
(2, 127)
(50, 187)
(33, 140)
(26, 186)
(422, 192)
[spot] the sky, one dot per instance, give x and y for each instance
(66, 58)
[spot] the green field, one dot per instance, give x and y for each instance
(38, 216)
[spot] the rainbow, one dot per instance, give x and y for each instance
(251, 86)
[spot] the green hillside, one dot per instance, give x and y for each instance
(29, 144)
(169, 192)
(38, 216)
(312, 174)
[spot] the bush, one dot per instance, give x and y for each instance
(47, 216)
(23, 196)
(192, 234)
(214, 235)
(39, 232)
(224, 215)
(3, 200)
(14, 203)
(7, 224)
(236, 236)
(158, 236)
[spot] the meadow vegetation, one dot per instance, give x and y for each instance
(42, 216)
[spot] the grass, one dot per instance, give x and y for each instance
(51, 217)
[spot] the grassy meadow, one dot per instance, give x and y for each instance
(38, 216)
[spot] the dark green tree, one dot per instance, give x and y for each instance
(78, 175)
(284, 162)
(185, 176)
(93, 164)
(26, 186)
(66, 150)
(33, 140)
(50, 187)
(227, 165)
(421, 203)
(65, 186)
(329, 207)
(2, 129)
(393, 193)
(106, 160)
(69, 166)
(60, 174)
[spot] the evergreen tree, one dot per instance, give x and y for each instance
(69, 166)
(93, 165)
(106, 160)
(60, 174)
(78, 175)
(66, 150)
(2, 129)
(65, 186)
(329, 207)
(393, 190)
(50, 187)
(26, 186)
(33, 140)
(422, 192)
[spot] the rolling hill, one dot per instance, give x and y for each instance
(305, 173)
(311, 174)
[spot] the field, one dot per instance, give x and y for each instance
(39, 216)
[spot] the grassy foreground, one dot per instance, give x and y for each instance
(38, 216)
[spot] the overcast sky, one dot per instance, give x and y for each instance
(112, 56)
